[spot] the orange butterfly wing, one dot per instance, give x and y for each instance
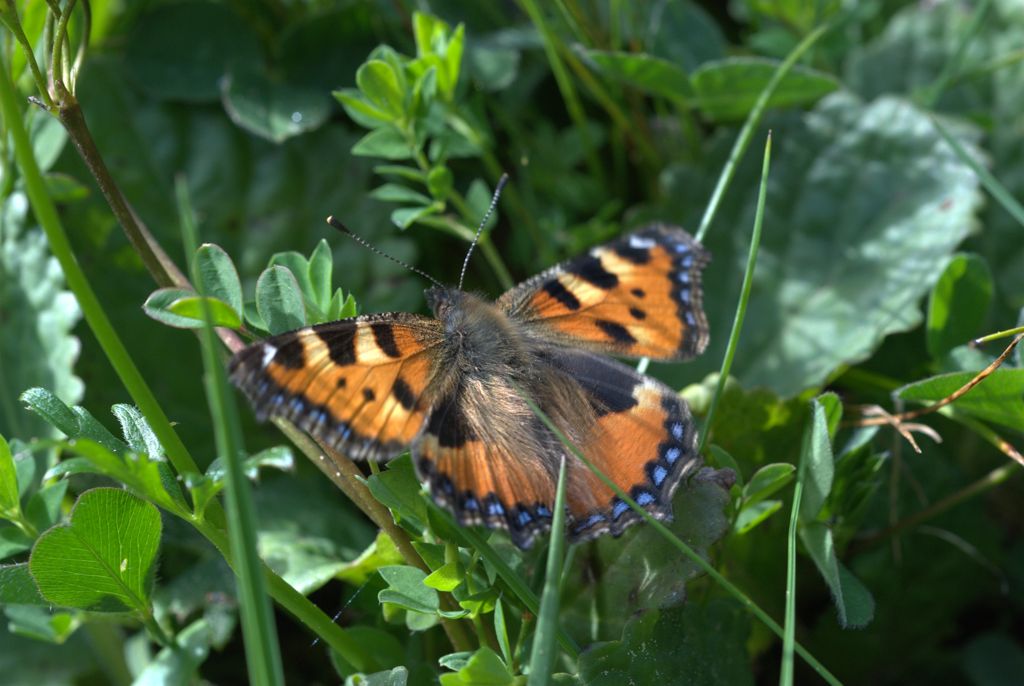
(356, 384)
(503, 474)
(637, 296)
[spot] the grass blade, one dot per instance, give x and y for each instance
(262, 652)
(741, 306)
(542, 654)
(753, 119)
(789, 623)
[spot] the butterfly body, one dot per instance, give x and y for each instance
(452, 389)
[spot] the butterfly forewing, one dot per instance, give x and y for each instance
(356, 384)
(637, 296)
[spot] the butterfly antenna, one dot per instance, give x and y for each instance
(377, 251)
(483, 222)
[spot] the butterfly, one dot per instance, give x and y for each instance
(450, 389)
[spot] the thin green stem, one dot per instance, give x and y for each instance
(753, 119)
(741, 306)
(1005, 333)
(9, 17)
(262, 650)
(789, 635)
(95, 316)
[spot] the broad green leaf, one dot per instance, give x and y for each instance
(854, 604)
(752, 515)
(192, 307)
(640, 569)
(74, 422)
(157, 306)
(767, 480)
(270, 108)
(41, 623)
(405, 217)
(167, 67)
(440, 182)
(822, 273)
(321, 265)
(382, 552)
(722, 459)
(17, 586)
(307, 533)
(341, 307)
(13, 541)
(656, 648)
(816, 462)
(219, 276)
(727, 90)
(393, 192)
(36, 344)
(137, 432)
(446, 578)
(380, 650)
(386, 143)
(999, 398)
(179, 664)
(379, 83)
(398, 676)
(150, 477)
(361, 110)
(399, 490)
(104, 558)
(441, 47)
(646, 72)
(484, 668)
(993, 659)
(958, 304)
(279, 300)
(10, 498)
(407, 590)
(802, 16)
(44, 507)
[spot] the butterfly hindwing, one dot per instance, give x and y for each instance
(637, 296)
(499, 468)
(357, 384)
(643, 439)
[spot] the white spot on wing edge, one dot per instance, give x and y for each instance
(641, 243)
(268, 354)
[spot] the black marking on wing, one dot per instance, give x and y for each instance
(556, 290)
(384, 335)
(617, 332)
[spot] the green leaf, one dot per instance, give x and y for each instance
(398, 489)
(446, 578)
(219, 276)
(44, 507)
(726, 90)
(767, 480)
(104, 559)
(341, 307)
(157, 306)
(167, 67)
(137, 432)
(393, 192)
(279, 300)
(382, 552)
(407, 590)
(854, 604)
(17, 586)
(823, 277)
(179, 664)
(816, 462)
(438, 46)
(646, 72)
(379, 83)
(270, 108)
(321, 265)
(398, 676)
(10, 497)
(307, 534)
(752, 515)
(191, 307)
(655, 648)
(150, 477)
(361, 110)
(484, 668)
(958, 304)
(999, 398)
(992, 659)
(42, 624)
(386, 143)
(405, 217)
